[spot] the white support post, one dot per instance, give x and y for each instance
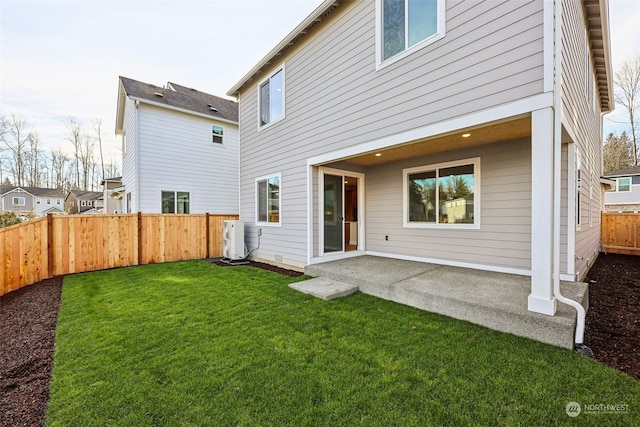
(541, 299)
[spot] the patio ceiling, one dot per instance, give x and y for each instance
(507, 130)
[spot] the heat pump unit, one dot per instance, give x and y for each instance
(233, 240)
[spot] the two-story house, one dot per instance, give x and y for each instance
(180, 150)
(463, 133)
(82, 202)
(37, 201)
(625, 196)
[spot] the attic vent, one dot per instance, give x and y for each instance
(212, 108)
(159, 94)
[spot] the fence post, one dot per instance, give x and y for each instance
(139, 238)
(207, 238)
(49, 245)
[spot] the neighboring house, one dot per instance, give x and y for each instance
(180, 150)
(109, 186)
(80, 202)
(31, 200)
(625, 196)
(465, 134)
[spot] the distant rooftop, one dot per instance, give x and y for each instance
(178, 97)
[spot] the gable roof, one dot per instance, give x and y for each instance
(175, 97)
(85, 195)
(52, 193)
(597, 23)
(633, 170)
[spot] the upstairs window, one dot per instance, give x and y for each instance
(216, 134)
(405, 25)
(271, 96)
(623, 184)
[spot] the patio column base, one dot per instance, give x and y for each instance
(541, 305)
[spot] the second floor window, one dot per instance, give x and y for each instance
(271, 95)
(623, 184)
(216, 132)
(408, 23)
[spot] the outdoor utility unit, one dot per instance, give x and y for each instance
(233, 238)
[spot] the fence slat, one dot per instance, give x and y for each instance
(64, 244)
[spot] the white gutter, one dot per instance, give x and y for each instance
(557, 170)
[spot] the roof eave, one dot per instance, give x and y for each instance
(316, 17)
(120, 108)
(181, 110)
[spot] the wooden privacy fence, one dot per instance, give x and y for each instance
(63, 244)
(620, 233)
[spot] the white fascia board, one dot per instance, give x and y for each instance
(512, 109)
(181, 110)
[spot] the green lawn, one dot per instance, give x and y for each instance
(191, 343)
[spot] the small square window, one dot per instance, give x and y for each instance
(623, 184)
(216, 134)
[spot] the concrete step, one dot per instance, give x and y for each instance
(324, 288)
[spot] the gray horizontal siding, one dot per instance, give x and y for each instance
(504, 239)
(335, 98)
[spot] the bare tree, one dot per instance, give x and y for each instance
(86, 160)
(33, 160)
(97, 128)
(628, 81)
(59, 170)
(16, 134)
(74, 137)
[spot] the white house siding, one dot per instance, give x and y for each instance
(128, 157)
(504, 237)
(176, 153)
(335, 98)
(581, 112)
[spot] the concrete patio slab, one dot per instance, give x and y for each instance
(324, 288)
(494, 300)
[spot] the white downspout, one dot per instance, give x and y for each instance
(557, 170)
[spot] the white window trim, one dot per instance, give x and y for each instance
(618, 184)
(266, 223)
(475, 161)
(284, 96)
(175, 200)
(17, 198)
(440, 33)
(221, 136)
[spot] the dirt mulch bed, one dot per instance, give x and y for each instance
(28, 320)
(612, 328)
(262, 265)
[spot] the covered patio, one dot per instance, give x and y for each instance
(495, 300)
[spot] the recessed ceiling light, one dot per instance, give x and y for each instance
(466, 135)
(378, 154)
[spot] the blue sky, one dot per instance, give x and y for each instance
(62, 58)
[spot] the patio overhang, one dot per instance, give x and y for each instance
(509, 129)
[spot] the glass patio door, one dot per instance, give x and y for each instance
(333, 213)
